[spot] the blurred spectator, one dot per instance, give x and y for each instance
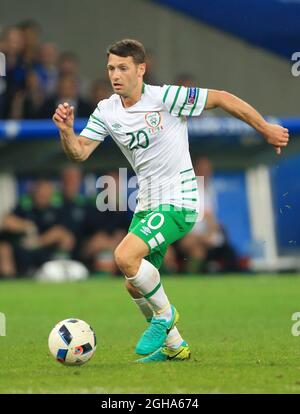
(13, 47)
(104, 230)
(100, 89)
(21, 47)
(2, 93)
(31, 32)
(31, 234)
(2, 79)
(68, 65)
(2, 43)
(27, 104)
(38, 78)
(206, 248)
(70, 202)
(203, 168)
(2, 96)
(67, 92)
(150, 75)
(170, 264)
(47, 69)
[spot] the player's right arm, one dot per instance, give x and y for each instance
(77, 148)
(275, 135)
(181, 101)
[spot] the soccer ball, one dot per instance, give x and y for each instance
(72, 342)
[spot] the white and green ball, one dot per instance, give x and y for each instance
(72, 342)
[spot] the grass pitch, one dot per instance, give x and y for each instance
(238, 327)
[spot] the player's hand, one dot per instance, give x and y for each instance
(277, 136)
(30, 227)
(64, 117)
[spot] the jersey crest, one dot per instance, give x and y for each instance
(153, 121)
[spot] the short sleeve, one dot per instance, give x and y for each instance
(95, 128)
(182, 101)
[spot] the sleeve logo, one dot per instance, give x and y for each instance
(191, 96)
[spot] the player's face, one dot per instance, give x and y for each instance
(124, 74)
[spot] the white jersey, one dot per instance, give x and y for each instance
(153, 136)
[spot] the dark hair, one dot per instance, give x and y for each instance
(30, 24)
(128, 47)
(68, 55)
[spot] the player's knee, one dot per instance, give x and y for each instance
(121, 258)
(125, 260)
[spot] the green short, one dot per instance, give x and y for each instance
(161, 227)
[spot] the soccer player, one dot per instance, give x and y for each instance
(149, 125)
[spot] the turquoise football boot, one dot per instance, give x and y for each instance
(154, 336)
(182, 353)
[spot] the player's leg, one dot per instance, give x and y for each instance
(167, 224)
(175, 348)
(142, 303)
(145, 278)
(139, 299)
(174, 338)
(142, 274)
(157, 230)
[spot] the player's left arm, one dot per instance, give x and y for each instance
(275, 135)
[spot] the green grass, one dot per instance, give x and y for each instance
(238, 327)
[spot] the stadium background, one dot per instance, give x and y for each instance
(244, 166)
